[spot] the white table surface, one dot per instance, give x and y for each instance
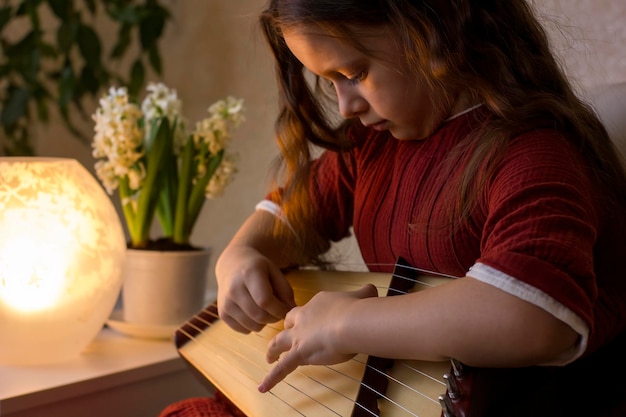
(110, 362)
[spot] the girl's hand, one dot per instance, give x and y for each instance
(311, 335)
(252, 290)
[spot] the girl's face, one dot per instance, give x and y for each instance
(382, 93)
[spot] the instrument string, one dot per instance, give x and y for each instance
(402, 383)
(342, 374)
(222, 359)
(254, 364)
(378, 371)
(421, 271)
(274, 328)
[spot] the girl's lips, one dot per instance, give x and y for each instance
(379, 126)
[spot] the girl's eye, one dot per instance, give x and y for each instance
(352, 80)
(357, 78)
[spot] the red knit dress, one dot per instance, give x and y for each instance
(540, 229)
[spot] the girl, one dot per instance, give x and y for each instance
(462, 148)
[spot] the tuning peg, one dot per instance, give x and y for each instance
(446, 406)
(453, 389)
(457, 368)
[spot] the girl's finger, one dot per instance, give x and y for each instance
(290, 318)
(282, 287)
(279, 344)
(237, 319)
(286, 365)
(270, 307)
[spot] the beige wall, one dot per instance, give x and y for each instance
(590, 38)
(212, 48)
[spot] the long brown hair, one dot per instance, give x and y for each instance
(495, 50)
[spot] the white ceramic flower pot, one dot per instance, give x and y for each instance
(164, 288)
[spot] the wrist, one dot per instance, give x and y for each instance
(352, 326)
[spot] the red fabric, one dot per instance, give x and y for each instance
(219, 406)
(540, 219)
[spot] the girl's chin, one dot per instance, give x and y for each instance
(407, 132)
(406, 135)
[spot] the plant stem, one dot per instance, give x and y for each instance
(181, 232)
(166, 207)
(198, 192)
(125, 194)
(148, 198)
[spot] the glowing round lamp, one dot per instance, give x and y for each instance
(61, 253)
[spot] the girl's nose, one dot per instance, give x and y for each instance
(351, 104)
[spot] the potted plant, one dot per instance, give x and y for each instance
(162, 169)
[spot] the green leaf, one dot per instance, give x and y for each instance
(91, 6)
(130, 215)
(169, 185)
(128, 14)
(89, 81)
(48, 50)
(166, 208)
(123, 41)
(154, 58)
(181, 233)
(16, 105)
(31, 11)
(24, 56)
(24, 46)
(67, 83)
(77, 101)
(151, 28)
(41, 96)
(89, 46)
(5, 16)
(20, 145)
(137, 78)
(148, 199)
(198, 197)
(21, 9)
(67, 35)
(61, 8)
(31, 66)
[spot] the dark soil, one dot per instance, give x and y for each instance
(165, 244)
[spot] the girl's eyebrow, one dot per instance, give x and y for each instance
(344, 70)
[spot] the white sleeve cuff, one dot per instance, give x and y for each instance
(275, 210)
(520, 289)
(271, 207)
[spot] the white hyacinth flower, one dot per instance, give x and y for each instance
(118, 138)
(215, 130)
(222, 178)
(161, 101)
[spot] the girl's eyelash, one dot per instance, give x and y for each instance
(352, 80)
(357, 78)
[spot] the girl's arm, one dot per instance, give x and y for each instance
(465, 319)
(252, 290)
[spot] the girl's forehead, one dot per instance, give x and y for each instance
(321, 53)
(371, 42)
(347, 33)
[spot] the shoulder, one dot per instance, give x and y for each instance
(540, 173)
(543, 153)
(544, 142)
